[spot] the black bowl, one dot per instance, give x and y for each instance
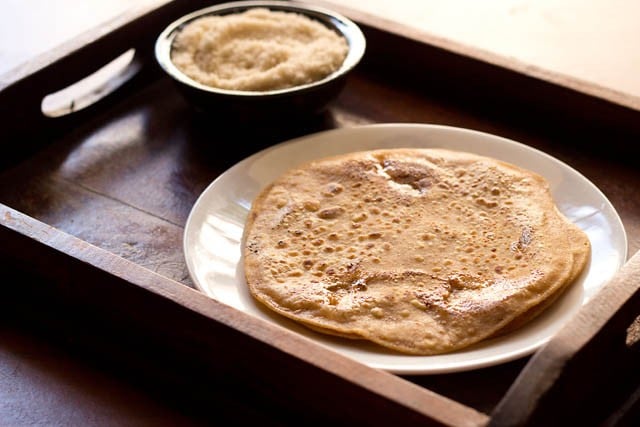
(260, 106)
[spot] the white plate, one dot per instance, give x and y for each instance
(214, 229)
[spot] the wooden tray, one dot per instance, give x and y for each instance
(94, 203)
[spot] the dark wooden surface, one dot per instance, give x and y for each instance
(123, 177)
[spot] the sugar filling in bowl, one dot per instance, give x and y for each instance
(261, 61)
(257, 50)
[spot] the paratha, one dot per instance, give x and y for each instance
(422, 251)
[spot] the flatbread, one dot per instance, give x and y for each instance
(422, 251)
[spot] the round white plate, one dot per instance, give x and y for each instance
(214, 231)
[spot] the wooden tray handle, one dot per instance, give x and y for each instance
(22, 90)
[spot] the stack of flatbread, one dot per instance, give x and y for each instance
(423, 251)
